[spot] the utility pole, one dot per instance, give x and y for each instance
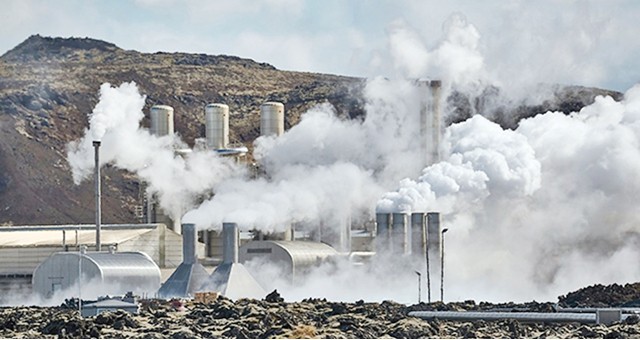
(419, 286)
(442, 267)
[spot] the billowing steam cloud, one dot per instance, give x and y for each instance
(176, 180)
(532, 212)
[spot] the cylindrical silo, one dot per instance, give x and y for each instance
(400, 235)
(271, 119)
(217, 126)
(161, 120)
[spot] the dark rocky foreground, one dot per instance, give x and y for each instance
(312, 318)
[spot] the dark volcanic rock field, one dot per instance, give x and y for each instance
(311, 318)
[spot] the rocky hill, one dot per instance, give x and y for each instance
(49, 85)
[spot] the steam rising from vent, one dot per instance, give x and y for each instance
(175, 180)
(532, 212)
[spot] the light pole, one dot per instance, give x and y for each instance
(419, 286)
(442, 266)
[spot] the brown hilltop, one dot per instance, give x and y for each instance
(49, 85)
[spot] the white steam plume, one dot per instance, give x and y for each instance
(176, 180)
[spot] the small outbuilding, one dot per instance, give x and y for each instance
(111, 305)
(103, 273)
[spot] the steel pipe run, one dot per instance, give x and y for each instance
(592, 318)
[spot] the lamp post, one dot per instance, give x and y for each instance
(419, 286)
(442, 266)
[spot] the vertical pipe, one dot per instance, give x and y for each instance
(230, 239)
(96, 146)
(189, 243)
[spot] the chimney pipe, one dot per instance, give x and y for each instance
(189, 243)
(230, 242)
(96, 146)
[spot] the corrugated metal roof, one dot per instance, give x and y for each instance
(302, 252)
(38, 238)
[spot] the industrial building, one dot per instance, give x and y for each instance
(48, 259)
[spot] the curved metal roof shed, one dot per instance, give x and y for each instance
(295, 256)
(104, 273)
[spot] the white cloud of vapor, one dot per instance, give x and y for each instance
(176, 180)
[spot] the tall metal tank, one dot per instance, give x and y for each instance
(161, 120)
(271, 119)
(418, 236)
(217, 126)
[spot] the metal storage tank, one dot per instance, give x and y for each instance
(400, 234)
(294, 256)
(217, 126)
(161, 120)
(104, 273)
(271, 119)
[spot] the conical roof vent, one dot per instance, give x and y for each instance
(190, 275)
(231, 279)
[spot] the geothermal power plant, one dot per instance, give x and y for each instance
(162, 257)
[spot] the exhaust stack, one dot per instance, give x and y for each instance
(231, 279)
(96, 147)
(190, 275)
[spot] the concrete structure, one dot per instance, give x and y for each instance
(400, 234)
(23, 248)
(190, 275)
(217, 126)
(231, 279)
(294, 257)
(418, 236)
(271, 119)
(434, 250)
(161, 120)
(383, 231)
(112, 273)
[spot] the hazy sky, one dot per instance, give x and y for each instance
(577, 42)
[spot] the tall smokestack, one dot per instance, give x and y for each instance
(400, 235)
(189, 238)
(96, 146)
(230, 243)
(434, 122)
(430, 120)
